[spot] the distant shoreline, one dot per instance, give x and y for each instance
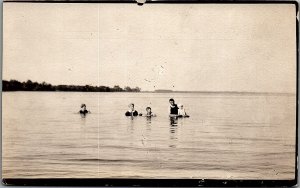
(220, 92)
(15, 85)
(229, 92)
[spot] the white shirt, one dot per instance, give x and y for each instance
(181, 112)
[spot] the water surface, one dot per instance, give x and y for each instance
(228, 136)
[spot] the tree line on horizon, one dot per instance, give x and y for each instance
(14, 85)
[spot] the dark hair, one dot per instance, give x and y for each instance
(148, 108)
(131, 104)
(171, 100)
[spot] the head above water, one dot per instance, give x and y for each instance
(131, 106)
(171, 101)
(148, 109)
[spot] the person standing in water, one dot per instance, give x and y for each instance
(173, 109)
(131, 111)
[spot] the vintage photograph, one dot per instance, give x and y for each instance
(159, 91)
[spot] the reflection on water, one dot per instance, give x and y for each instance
(148, 120)
(148, 124)
(173, 121)
(83, 120)
(173, 133)
(230, 136)
(83, 115)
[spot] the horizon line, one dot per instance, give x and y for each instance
(165, 90)
(237, 92)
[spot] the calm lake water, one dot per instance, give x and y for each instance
(230, 136)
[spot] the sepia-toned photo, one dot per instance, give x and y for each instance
(158, 91)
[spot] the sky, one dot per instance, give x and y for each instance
(183, 47)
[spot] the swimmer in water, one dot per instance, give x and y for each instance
(131, 111)
(148, 113)
(83, 109)
(173, 108)
(181, 111)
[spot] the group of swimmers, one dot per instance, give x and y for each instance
(133, 112)
(174, 110)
